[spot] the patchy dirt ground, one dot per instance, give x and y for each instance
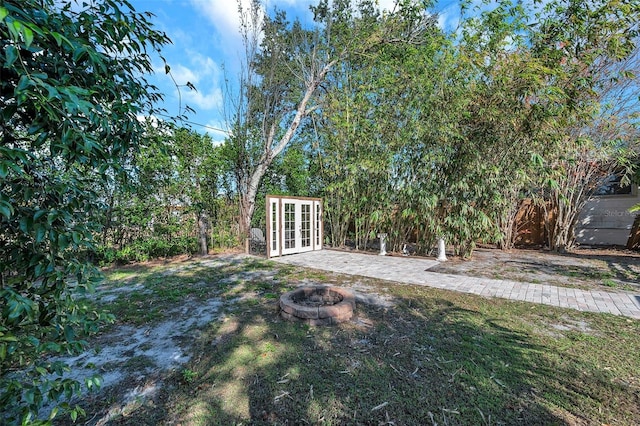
(607, 269)
(163, 307)
(146, 350)
(135, 357)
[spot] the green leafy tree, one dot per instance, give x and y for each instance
(71, 91)
(592, 50)
(425, 134)
(136, 198)
(281, 74)
(367, 116)
(285, 67)
(167, 202)
(415, 142)
(197, 179)
(497, 128)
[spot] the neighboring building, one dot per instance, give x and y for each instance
(605, 219)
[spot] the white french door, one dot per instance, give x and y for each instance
(294, 225)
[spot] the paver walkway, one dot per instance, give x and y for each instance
(415, 271)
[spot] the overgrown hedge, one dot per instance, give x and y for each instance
(142, 250)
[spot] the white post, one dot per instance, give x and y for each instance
(383, 244)
(442, 256)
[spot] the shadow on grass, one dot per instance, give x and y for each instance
(621, 269)
(425, 361)
(433, 357)
(623, 266)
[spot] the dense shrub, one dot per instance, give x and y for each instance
(145, 249)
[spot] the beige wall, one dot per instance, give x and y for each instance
(605, 220)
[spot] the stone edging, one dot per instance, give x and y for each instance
(318, 315)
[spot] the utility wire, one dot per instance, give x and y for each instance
(226, 132)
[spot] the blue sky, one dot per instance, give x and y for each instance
(207, 48)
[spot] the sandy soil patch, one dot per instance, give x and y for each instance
(607, 269)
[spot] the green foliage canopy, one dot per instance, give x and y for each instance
(175, 183)
(445, 134)
(71, 91)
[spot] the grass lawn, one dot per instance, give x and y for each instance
(413, 356)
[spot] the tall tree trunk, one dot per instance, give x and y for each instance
(581, 177)
(108, 219)
(508, 225)
(203, 234)
(247, 207)
(271, 151)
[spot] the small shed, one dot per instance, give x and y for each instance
(294, 225)
(606, 220)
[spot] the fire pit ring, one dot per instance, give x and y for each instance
(318, 305)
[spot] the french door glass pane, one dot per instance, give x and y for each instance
(318, 223)
(289, 225)
(306, 225)
(274, 226)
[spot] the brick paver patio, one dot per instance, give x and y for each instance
(416, 271)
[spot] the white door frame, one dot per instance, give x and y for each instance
(294, 225)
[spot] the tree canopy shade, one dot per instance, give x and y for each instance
(288, 69)
(167, 206)
(592, 50)
(448, 133)
(72, 88)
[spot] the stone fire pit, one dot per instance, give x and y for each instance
(318, 305)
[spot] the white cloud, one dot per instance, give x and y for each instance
(388, 5)
(203, 99)
(202, 69)
(449, 17)
(223, 15)
(204, 73)
(182, 75)
(206, 64)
